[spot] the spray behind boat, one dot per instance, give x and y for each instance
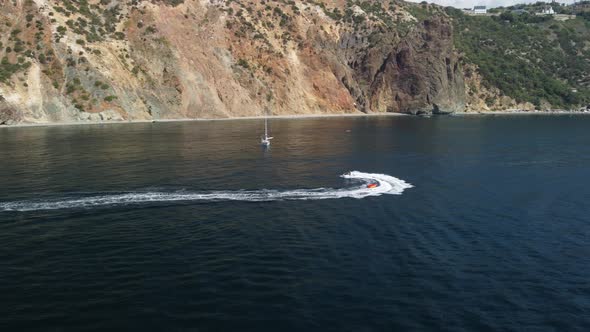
(373, 184)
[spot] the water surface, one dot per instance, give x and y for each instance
(494, 235)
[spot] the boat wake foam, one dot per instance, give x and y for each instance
(388, 185)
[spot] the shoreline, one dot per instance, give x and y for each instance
(515, 112)
(293, 116)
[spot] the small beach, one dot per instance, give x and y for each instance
(294, 117)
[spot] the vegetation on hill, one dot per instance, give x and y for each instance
(528, 57)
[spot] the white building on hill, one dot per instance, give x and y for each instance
(548, 11)
(478, 10)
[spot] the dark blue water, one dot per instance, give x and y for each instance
(494, 236)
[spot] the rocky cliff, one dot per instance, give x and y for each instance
(78, 60)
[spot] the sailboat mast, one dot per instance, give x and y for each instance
(265, 127)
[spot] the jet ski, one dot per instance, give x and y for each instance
(372, 185)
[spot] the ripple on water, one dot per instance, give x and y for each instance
(493, 236)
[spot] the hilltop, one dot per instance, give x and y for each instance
(542, 59)
(79, 60)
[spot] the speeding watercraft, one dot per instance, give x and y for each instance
(372, 185)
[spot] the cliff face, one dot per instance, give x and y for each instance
(110, 60)
(421, 74)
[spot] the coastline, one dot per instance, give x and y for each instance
(518, 112)
(294, 117)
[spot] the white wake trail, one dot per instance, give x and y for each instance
(388, 185)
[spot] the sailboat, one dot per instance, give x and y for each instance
(265, 140)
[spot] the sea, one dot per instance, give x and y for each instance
(475, 223)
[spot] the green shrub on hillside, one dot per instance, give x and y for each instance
(530, 58)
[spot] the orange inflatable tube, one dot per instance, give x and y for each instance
(372, 185)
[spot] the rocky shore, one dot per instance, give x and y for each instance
(529, 112)
(306, 116)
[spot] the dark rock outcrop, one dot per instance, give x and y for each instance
(8, 114)
(417, 73)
